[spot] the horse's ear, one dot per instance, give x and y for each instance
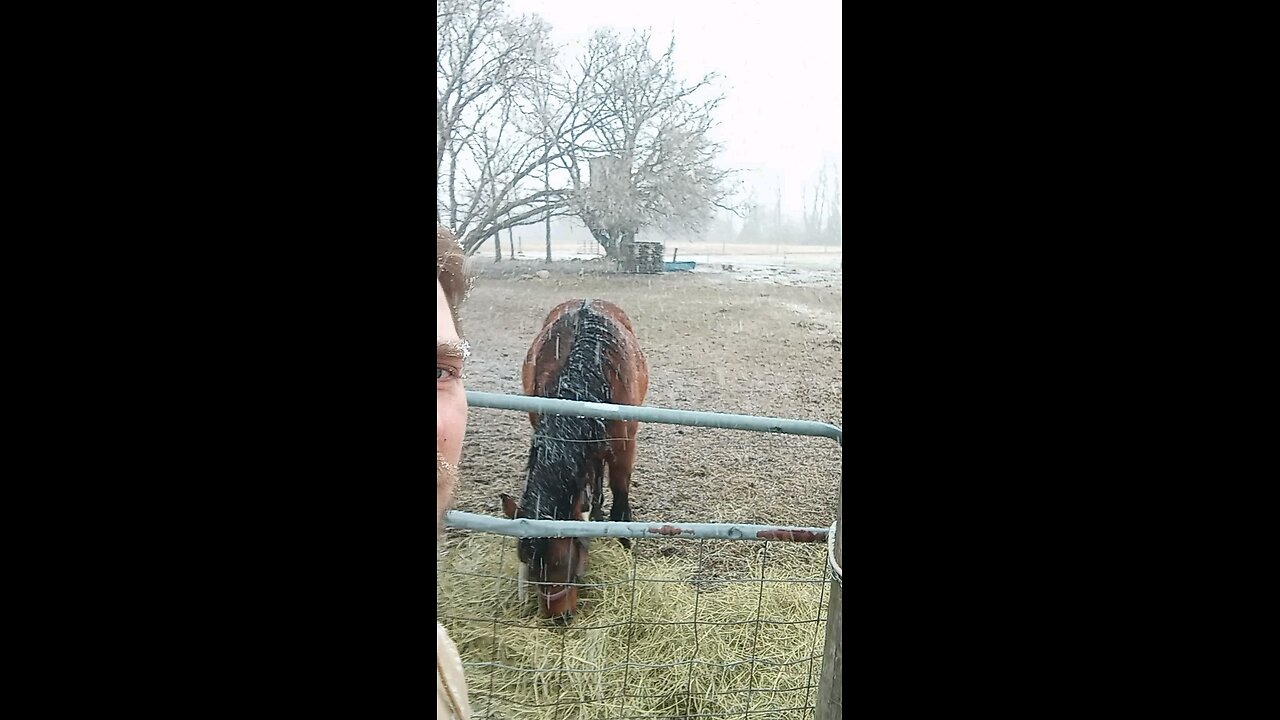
(509, 507)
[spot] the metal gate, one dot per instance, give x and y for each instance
(519, 527)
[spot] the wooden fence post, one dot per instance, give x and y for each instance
(829, 705)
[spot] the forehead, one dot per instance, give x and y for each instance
(533, 547)
(544, 547)
(445, 330)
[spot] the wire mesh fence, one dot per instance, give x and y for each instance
(709, 620)
(673, 628)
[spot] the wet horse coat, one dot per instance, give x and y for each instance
(587, 351)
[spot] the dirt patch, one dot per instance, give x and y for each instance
(713, 343)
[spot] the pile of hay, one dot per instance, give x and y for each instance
(580, 671)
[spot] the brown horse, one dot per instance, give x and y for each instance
(587, 351)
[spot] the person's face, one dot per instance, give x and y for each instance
(451, 404)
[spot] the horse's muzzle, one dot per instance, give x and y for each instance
(552, 597)
(559, 605)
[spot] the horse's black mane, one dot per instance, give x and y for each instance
(558, 459)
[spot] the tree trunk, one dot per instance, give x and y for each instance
(626, 244)
(453, 194)
(548, 239)
(616, 243)
(605, 238)
(546, 185)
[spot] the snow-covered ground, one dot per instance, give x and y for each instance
(780, 268)
(777, 264)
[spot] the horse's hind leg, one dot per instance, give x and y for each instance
(621, 459)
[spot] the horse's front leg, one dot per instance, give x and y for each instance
(597, 498)
(620, 464)
(620, 511)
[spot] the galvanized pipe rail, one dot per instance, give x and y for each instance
(695, 418)
(524, 527)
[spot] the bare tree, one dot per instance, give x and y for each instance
(473, 66)
(487, 65)
(822, 217)
(753, 224)
(816, 215)
(515, 132)
(645, 143)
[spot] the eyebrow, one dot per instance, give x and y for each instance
(457, 349)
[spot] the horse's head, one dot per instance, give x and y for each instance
(556, 566)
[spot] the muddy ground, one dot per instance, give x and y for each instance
(759, 343)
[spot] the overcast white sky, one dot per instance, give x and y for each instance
(781, 65)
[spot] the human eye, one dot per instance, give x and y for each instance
(450, 358)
